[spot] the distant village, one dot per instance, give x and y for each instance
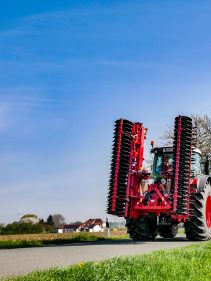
(91, 225)
(30, 223)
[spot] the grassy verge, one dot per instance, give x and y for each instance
(189, 263)
(39, 240)
(9, 244)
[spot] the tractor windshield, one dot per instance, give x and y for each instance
(163, 163)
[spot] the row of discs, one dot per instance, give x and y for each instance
(120, 163)
(184, 163)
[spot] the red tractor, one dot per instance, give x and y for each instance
(176, 191)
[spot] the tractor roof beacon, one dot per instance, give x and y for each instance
(177, 190)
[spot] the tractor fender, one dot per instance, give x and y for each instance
(202, 180)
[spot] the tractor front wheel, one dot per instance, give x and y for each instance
(199, 225)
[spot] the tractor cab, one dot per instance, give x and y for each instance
(163, 162)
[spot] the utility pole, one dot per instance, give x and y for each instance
(107, 234)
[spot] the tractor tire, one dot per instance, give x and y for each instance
(199, 226)
(168, 231)
(144, 228)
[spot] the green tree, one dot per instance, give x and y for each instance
(47, 227)
(50, 221)
(29, 216)
(2, 226)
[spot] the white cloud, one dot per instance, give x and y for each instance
(26, 98)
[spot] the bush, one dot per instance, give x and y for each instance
(48, 228)
(23, 228)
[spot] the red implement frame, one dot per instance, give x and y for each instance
(136, 162)
(134, 200)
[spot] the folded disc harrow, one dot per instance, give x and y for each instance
(120, 163)
(182, 165)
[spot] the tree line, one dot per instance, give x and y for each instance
(30, 224)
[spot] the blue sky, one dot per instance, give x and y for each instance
(68, 70)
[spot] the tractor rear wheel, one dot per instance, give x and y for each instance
(199, 226)
(168, 231)
(144, 228)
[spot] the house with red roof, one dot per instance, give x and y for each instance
(92, 225)
(71, 228)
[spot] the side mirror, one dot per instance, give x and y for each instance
(206, 167)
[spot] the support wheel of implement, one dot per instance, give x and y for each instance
(144, 228)
(199, 226)
(168, 231)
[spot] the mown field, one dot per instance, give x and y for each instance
(52, 236)
(38, 240)
(188, 263)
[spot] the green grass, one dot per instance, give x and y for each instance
(188, 263)
(42, 239)
(20, 244)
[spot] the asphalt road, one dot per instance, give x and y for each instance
(22, 261)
